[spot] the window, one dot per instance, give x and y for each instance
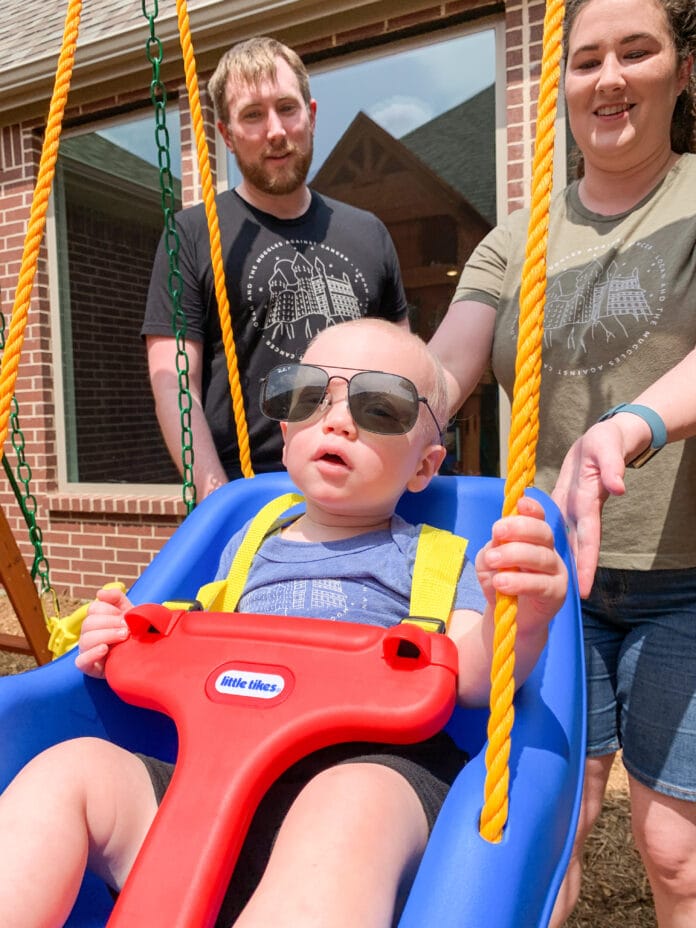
(410, 135)
(108, 220)
(408, 132)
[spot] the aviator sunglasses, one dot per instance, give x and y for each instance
(386, 404)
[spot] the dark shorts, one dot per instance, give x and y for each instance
(430, 767)
(640, 653)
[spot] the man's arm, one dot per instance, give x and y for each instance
(593, 468)
(161, 360)
(463, 343)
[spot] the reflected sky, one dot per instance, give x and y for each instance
(138, 137)
(400, 91)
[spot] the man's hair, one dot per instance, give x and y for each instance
(251, 62)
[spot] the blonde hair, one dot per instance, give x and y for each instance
(251, 62)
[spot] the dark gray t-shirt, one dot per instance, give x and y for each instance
(286, 280)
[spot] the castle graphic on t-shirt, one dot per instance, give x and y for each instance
(302, 597)
(606, 304)
(299, 289)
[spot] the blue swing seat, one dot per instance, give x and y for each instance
(463, 879)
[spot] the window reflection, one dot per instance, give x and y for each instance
(423, 159)
(109, 218)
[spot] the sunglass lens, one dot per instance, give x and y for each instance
(383, 403)
(292, 392)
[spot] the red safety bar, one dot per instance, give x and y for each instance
(250, 695)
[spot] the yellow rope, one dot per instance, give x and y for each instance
(214, 231)
(37, 217)
(525, 412)
(524, 428)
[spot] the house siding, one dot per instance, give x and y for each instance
(90, 539)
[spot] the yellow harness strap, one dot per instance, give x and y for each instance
(439, 560)
(223, 595)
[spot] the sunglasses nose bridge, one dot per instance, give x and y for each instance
(336, 404)
(330, 397)
(331, 377)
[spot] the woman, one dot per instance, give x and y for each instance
(619, 315)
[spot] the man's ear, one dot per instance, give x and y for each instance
(433, 456)
(226, 135)
(313, 114)
(284, 432)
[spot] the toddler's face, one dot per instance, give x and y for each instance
(337, 464)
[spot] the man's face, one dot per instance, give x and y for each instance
(270, 131)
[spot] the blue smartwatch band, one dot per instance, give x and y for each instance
(657, 427)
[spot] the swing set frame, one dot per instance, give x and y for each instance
(524, 428)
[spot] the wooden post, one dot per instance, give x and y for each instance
(25, 600)
(469, 426)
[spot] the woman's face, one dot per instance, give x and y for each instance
(622, 81)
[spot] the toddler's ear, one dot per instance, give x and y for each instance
(284, 433)
(433, 456)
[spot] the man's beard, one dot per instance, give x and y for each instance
(278, 182)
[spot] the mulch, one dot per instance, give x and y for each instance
(615, 891)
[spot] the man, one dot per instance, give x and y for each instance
(295, 262)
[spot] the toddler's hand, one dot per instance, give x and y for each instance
(521, 560)
(103, 627)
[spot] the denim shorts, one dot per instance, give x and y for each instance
(640, 653)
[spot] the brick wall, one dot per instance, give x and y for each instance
(91, 539)
(109, 266)
(94, 540)
(19, 157)
(192, 191)
(524, 31)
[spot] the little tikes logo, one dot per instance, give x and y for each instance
(250, 684)
(247, 683)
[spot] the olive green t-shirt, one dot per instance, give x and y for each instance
(620, 312)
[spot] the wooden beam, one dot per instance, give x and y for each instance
(24, 597)
(17, 644)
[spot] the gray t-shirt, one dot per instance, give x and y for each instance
(620, 312)
(364, 579)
